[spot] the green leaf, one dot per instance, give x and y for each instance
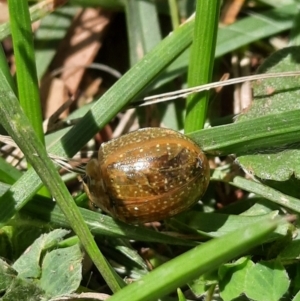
(290, 187)
(61, 271)
(267, 280)
(277, 3)
(7, 275)
(259, 208)
(21, 288)
(233, 278)
(28, 265)
(6, 249)
(204, 283)
(295, 278)
(291, 252)
(16, 231)
(297, 297)
(272, 97)
(198, 286)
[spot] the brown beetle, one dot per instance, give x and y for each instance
(147, 175)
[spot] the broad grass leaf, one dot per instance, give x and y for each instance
(271, 97)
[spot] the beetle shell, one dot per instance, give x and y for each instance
(147, 175)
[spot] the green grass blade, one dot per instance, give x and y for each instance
(8, 173)
(99, 224)
(192, 264)
(268, 193)
(174, 13)
(142, 28)
(18, 126)
(37, 12)
(251, 135)
(255, 28)
(28, 89)
(5, 72)
(201, 62)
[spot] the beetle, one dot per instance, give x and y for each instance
(147, 175)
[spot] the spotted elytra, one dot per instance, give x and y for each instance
(147, 175)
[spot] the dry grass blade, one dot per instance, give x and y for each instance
(185, 92)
